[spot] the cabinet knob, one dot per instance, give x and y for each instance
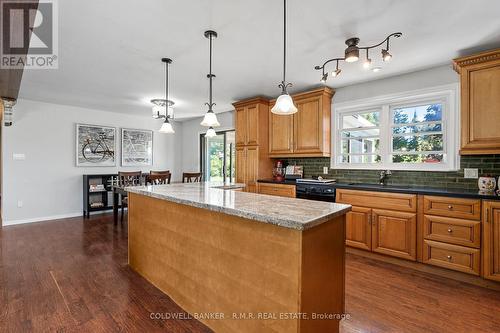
(450, 230)
(450, 207)
(449, 257)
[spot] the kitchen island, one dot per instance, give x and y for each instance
(241, 262)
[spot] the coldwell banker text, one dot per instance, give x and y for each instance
(29, 35)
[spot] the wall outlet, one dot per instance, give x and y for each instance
(19, 204)
(471, 173)
(325, 170)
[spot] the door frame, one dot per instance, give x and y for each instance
(202, 148)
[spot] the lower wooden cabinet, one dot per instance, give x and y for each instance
(359, 228)
(375, 225)
(491, 240)
(250, 166)
(281, 190)
(394, 233)
(458, 258)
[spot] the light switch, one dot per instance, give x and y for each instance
(325, 170)
(18, 157)
(471, 173)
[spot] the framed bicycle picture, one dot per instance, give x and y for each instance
(137, 147)
(95, 145)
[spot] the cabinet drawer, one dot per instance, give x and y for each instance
(281, 190)
(453, 231)
(381, 200)
(459, 258)
(453, 207)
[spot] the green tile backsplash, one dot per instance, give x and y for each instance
(487, 164)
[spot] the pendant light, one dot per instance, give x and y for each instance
(163, 107)
(210, 119)
(210, 132)
(284, 104)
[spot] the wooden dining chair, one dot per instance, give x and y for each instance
(160, 179)
(128, 178)
(153, 172)
(191, 177)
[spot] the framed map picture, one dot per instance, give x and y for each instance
(95, 145)
(137, 147)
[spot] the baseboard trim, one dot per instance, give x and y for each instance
(434, 270)
(41, 219)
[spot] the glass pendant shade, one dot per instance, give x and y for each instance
(210, 132)
(284, 105)
(167, 128)
(210, 120)
(158, 111)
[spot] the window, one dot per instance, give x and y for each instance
(410, 131)
(217, 156)
(360, 135)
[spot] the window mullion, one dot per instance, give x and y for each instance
(385, 139)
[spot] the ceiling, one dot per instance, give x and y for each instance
(110, 51)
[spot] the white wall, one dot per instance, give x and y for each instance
(48, 181)
(406, 82)
(191, 130)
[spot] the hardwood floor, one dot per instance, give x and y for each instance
(72, 275)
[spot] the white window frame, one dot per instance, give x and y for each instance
(448, 95)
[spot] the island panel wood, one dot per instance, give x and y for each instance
(208, 261)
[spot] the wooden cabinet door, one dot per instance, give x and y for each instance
(308, 130)
(241, 126)
(252, 167)
(480, 101)
(394, 233)
(491, 240)
(358, 228)
(252, 112)
(241, 165)
(280, 135)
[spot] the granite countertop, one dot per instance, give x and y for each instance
(290, 213)
(272, 181)
(409, 189)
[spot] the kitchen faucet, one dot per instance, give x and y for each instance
(384, 174)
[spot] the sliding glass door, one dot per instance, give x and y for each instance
(218, 156)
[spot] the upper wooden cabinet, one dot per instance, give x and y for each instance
(251, 121)
(306, 133)
(480, 102)
(252, 158)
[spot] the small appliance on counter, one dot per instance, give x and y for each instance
(279, 171)
(294, 172)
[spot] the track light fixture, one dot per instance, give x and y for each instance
(351, 54)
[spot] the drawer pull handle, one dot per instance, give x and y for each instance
(449, 257)
(450, 230)
(450, 207)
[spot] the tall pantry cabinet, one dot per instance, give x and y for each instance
(252, 155)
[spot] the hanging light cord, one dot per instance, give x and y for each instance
(210, 76)
(166, 88)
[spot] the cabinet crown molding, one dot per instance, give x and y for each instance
(250, 101)
(478, 58)
(327, 91)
